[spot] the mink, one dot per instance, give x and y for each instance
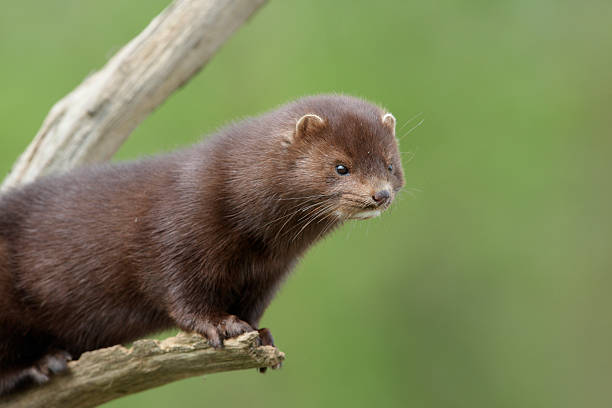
(198, 239)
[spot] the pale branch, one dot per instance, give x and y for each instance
(91, 123)
(88, 126)
(106, 374)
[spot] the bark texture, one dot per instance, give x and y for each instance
(106, 374)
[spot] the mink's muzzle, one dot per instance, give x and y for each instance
(382, 197)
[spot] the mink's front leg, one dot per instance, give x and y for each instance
(252, 311)
(198, 305)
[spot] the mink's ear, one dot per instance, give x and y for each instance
(308, 124)
(389, 122)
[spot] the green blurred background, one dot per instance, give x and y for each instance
(488, 284)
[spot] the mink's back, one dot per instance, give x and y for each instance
(94, 256)
(71, 249)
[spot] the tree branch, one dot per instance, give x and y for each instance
(88, 126)
(90, 123)
(106, 374)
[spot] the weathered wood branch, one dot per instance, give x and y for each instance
(88, 126)
(90, 123)
(106, 374)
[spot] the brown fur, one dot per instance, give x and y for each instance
(199, 239)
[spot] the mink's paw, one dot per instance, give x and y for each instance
(55, 362)
(12, 380)
(266, 339)
(223, 328)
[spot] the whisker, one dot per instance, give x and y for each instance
(305, 197)
(361, 203)
(331, 222)
(409, 156)
(323, 210)
(298, 207)
(410, 120)
(411, 129)
(305, 225)
(278, 233)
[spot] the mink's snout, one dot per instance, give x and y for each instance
(382, 197)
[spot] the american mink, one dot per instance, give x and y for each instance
(198, 239)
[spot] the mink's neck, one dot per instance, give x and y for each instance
(296, 226)
(281, 222)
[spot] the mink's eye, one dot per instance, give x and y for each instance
(390, 168)
(342, 170)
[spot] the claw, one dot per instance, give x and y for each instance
(214, 339)
(224, 328)
(36, 375)
(266, 339)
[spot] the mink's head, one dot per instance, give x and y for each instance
(343, 157)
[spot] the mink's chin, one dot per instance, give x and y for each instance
(360, 214)
(365, 215)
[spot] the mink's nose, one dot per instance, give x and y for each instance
(381, 197)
